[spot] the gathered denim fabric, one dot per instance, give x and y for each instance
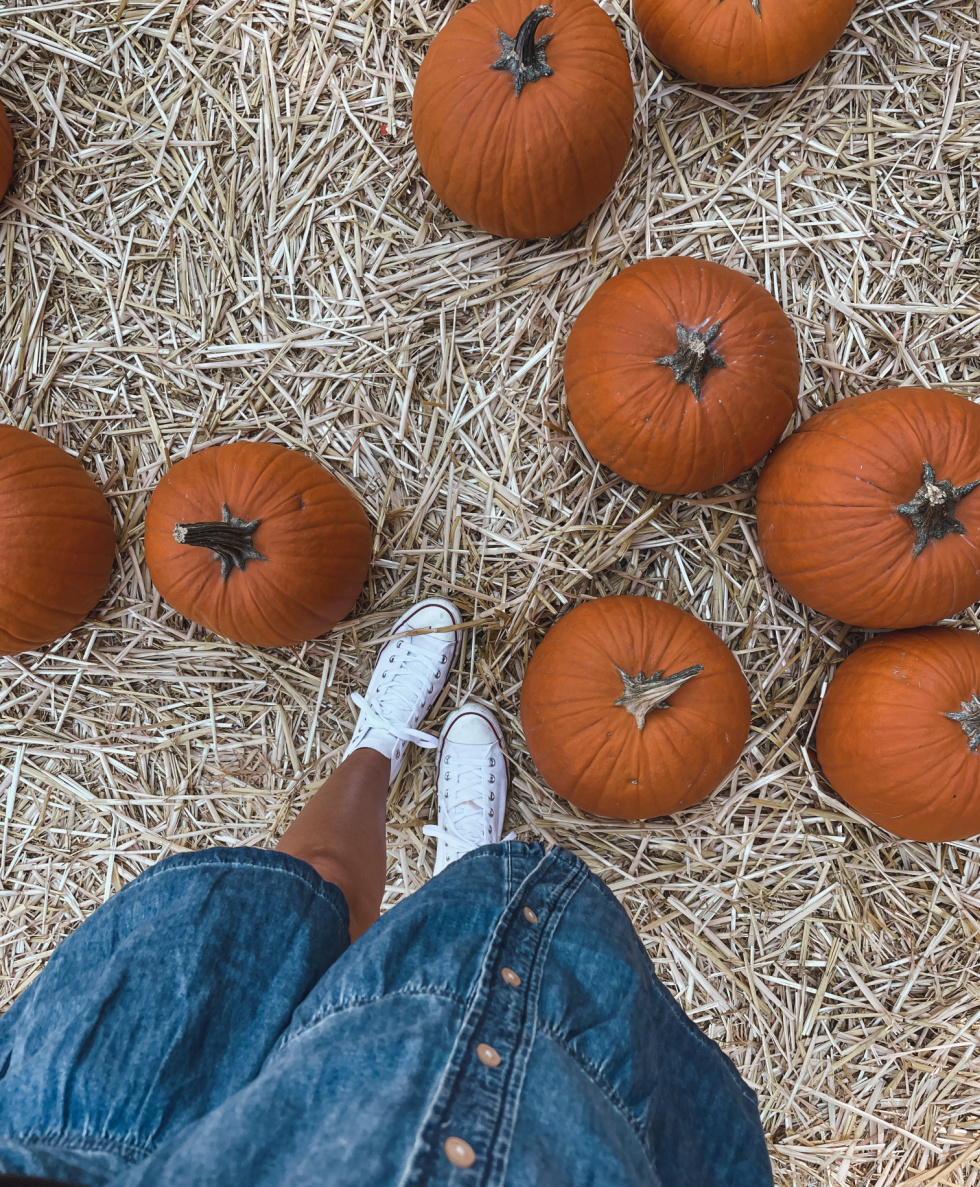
(212, 1025)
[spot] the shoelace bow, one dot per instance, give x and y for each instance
(396, 700)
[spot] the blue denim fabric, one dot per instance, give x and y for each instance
(211, 1025)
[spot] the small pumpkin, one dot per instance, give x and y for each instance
(6, 152)
(633, 708)
(57, 542)
(258, 543)
(741, 43)
(898, 735)
(681, 373)
(870, 511)
(520, 135)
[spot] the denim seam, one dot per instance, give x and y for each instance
(129, 1151)
(320, 891)
(357, 1003)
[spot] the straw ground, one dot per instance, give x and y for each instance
(218, 229)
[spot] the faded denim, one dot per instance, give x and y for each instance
(211, 1025)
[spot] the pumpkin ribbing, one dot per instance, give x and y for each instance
(854, 525)
(285, 561)
(515, 140)
(616, 741)
(899, 732)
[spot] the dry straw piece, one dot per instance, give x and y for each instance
(218, 229)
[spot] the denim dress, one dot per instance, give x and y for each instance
(212, 1025)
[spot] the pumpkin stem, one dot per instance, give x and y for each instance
(932, 506)
(694, 357)
(969, 719)
(230, 540)
(641, 693)
(522, 55)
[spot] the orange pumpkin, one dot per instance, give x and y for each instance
(898, 735)
(741, 43)
(869, 512)
(56, 542)
(6, 152)
(680, 374)
(258, 543)
(520, 136)
(633, 708)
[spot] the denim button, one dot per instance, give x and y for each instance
(510, 977)
(458, 1152)
(487, 1054)
(529, 915)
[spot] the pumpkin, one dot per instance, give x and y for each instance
(521, 135)
(258, 543)
(680, 374)
(633, 708)
(56, 542)
(6, 152)
(741, 43)
(870, 511)
(898, 734)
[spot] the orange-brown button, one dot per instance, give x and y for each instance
(510, 977)
(458, 1152)
(486, 1054)
(529, 915)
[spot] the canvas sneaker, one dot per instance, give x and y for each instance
(471, 784)
(410, 674)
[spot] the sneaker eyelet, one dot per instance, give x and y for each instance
(491, 795)
(491, 811)
(493, 762)
(493, 779)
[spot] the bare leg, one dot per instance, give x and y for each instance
(341, 833)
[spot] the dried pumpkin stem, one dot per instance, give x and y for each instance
(230, 539)
(522, 55)
(969, 720)
(694, 357)
(641, 693)
(931, 509)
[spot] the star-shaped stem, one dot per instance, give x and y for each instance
(694, 357)
(230, 540)
(641, 693)
(969, 720)
(931, 509)
(522, 55)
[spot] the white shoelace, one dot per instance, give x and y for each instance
(463, 825)
(411, 668)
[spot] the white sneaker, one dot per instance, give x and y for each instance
(471, 785)
(407, 679)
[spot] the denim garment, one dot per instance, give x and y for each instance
(211, 1025)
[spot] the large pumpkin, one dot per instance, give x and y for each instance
(258, 543)
(869, 512)
(741, 43)
(6, 152)
(898, 735)
(522, 135)
(56, 541)
(680, 374)
(633, 708)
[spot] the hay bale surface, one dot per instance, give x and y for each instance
(218, 229)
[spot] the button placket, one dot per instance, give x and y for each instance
(476, 1106)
